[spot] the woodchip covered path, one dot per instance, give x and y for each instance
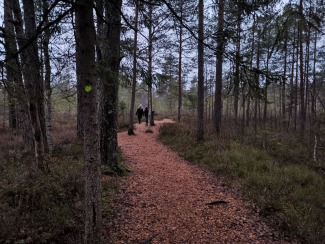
(164, 200)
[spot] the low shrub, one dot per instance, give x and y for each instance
(47, 208)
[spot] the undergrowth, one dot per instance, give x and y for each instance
(289, 192)
(48, 208)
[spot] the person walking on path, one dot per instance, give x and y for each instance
(139, 113)
(146, 115)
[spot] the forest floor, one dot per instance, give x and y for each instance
(168, 200)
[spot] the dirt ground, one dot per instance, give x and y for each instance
(165, 200)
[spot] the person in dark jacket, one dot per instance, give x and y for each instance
(139, 113)
(146, 114)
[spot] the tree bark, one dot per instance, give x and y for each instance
(80, 88)
(11, 67)
(180, 67)
(237, 60)
(109, 62)
(218, 94)
(315, 129)
(291, 82)
(302, 82)
(283, 105)
(86, 40)
(47, 82)
(200, 122)
(266, 90)
(134, 74)
(14, 72)
(150, 122)
(257, 83)
(33, 82)
(296, 83)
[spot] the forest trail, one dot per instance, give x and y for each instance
(164, 200)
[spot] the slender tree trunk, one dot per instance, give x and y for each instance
(283, 105)
(257, 83)
(200, 122)
(33, 82)
(11, 67)
(14, 71)
(313, 103)
(86, 40)
(80, 89)
(237, 60)
(243, 105)
(180, 67)
(150, 122)
(302, 82)
(266, 91)
(291, 81)
(306, 73)
(48, 89)
(109, 45)
(313, 98)
(134, 75)
(251, 66)
(218, 91)
(4, 109)
(296, 82)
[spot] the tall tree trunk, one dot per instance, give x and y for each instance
(31, 71)
(291, 81)
(32, 77)
(313, 102)
(180, 66)
(302, 82)
(251, 66)
(306, 73)
(266, 90)
(237, 60)
(283, 105)
(134, 74)
(200, 122)
(80, 88)
(257, 84)
(11, 67)
(150, 122)
(15, 73)
(47, 82)
(218, 92)
(243, 105)
(109, 45)
(296, 82)
(86, 40)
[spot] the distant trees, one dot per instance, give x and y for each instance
(29, 89)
